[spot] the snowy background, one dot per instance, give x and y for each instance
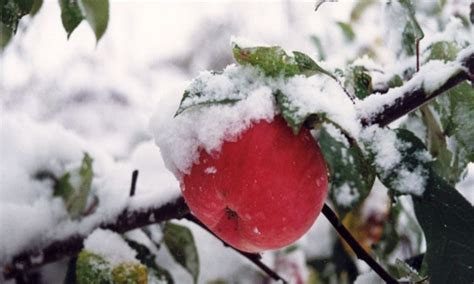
(59, 98)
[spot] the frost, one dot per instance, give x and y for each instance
(110, 246)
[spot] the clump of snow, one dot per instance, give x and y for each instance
(210, 170)
(181, 137)
(322, 94)
(383, 143)
(111, 246)
(346, 195)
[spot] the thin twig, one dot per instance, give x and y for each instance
(355, 246)
(134, 183)
(253, 257)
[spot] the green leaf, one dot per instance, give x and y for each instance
(447, 220)
(75, 194)
(180, 243)
(289, 112)
(92, 269)
(71, 15)
(443, 50)
(359, 82)
(189, 95)
(456, 113)
(346, 29)
(96, 13)
(359, 9)
(145, 256)
(351, 174)
(130, 273)
(37, 4)
(407, 272)
(12, 12)
(319, 47)
(5, 35)
(273, 61)
(412, 31)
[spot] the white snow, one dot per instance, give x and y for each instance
(111, 246)
(345, 195)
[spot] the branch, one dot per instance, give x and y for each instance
(414, 98)
(126, 221)
(253, 257)
(355, 246)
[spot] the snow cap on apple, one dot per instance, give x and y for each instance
(247, 168)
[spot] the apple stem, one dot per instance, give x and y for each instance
(355, 246)
(255, 258)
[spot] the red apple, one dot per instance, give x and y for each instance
(261, 192)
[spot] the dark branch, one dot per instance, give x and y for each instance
(355, 246)
(417, 97)
(253, 257)
(127, 220)
(133, 186)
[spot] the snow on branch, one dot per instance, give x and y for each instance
(433, 79)
(128, 220)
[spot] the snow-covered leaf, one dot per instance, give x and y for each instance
(401, 160)
(180, 243)
(443, 50)
(71, 15)
(75, 193)
(191, 94)
(37, 4)
(359, 81)
(290, 112)
(129, 273)
(92, 269)
(146, 257)
(447, 220)
(96, 13)
(407, 273)
(351, 174)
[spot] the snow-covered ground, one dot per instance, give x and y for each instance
(60, 98)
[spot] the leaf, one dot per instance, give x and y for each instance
(37, 4)
(359, 9)
(471, 13)
(92, 269)
(443, 50)
(359, 82)
(5, 35)
(130, 273)
(96, 13)
(289, 112)
(71, 15)
(406, 272)
(145, 256)
(273, 61)
(180, 243)
(75, 194)
(319, 47)
(346, 29)
(412, 31)
(13, 11)
(188, 95)
(447, 220)
(351, 174)
(408, 175)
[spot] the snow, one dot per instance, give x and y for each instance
(111, 246)
(386, 148)
(345, 195)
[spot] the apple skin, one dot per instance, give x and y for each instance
(262, 191)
